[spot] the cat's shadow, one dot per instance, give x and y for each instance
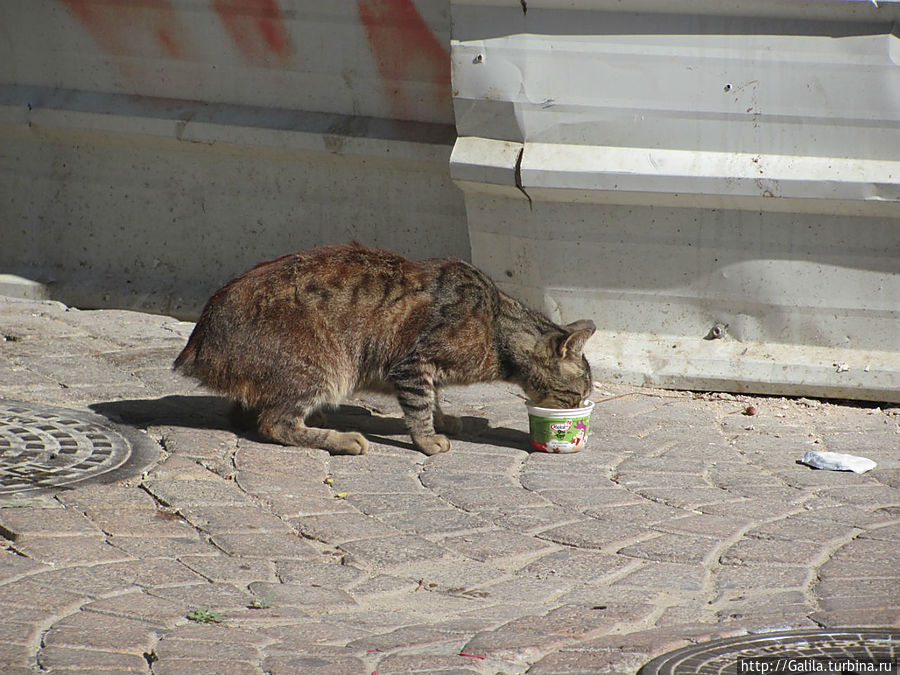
(211, 412)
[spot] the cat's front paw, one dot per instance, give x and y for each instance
(431, 445)
(347, 443)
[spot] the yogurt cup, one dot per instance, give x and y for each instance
(559, 429)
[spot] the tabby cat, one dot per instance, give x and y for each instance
(299, 333)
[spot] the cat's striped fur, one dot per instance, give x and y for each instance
(297, 334)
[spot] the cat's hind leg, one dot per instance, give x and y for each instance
(285, 425)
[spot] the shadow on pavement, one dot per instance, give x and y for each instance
(211, 412)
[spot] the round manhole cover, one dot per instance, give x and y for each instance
(44, 448)
(843, 650)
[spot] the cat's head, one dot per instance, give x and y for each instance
(560, 376)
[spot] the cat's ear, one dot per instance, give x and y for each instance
(578, 333)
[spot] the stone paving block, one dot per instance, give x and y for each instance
(343, 527)
(89, 661)
(13, 566)
(106, 497)
(230, 569)
(584, 499)
(744, 601)
(859, 559)
(881, 591)
(887, 533)
(868, 617)
(312, 631)
(531, 636)
(577, 662)
(441, 480)
(432, 664)
(673, 548)
(666, 576)
(717, 527)
(433, 521)
(534, 519)
(738, 475)
(16, 655)
(632, 480)
(687, 498)
(187, 493)
(771, 551)
(310, 597)
(493, 545)
(208, 667)
(16, 523)
(274, 545)
(313, 664)
(866, 496)
(214, 596)
(488, 499)
(530, 588)
(94, 631)
(520, 642)
(858, 517)
(158, 613)
(285, 485)
(25, 594)
(389, 552)
(296, 506)
(557, 478)
(592, 534)
(871, 443)
(382, 585)
(642, 511)
(755, 508)
(270, 458)
(331, 574)
(379, 503)
(890, 477)
(244, 519)
(140, 358)
(463, 573)
(78, 371)
(141, 522)
(760, 577)
(19, 632)
(408, 636)
(222, 650)
(803, 527)
(103, 579)
(164, 547)
(580, 565)
(217, 632)
(84, 549)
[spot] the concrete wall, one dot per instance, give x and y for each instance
(149, 151)
(667, 168)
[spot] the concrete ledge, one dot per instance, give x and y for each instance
(13, 286)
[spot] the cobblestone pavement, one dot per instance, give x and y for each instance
(684, 519)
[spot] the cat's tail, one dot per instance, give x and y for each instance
(186, 360)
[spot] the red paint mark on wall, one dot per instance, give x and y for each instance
(150, 27)
(257, 29)
(406, 51)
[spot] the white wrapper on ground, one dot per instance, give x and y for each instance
(837, 461)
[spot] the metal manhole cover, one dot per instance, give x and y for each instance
(44, 448)
(848, 650)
